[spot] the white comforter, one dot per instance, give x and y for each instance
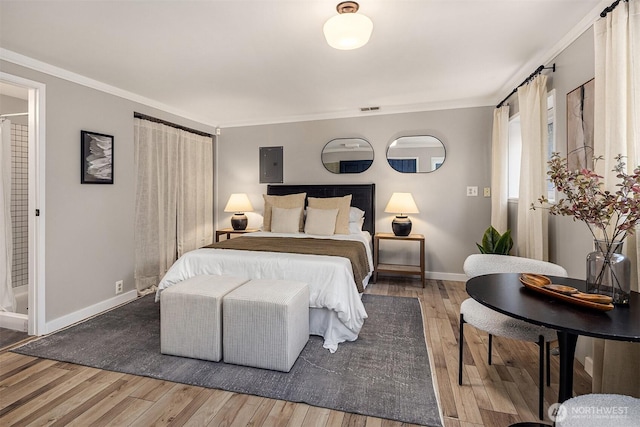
(330, 278)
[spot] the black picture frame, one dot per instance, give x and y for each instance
(96, 158)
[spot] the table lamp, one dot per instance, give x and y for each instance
(401, 203)
(238, 204)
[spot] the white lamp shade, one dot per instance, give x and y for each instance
(238, 202)
(401, 203)
(348, 31)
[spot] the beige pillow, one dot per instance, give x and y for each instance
(285, 220)
(341, 203)
(287, 202)
(321, 222)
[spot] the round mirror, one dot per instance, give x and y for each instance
(347, 155)
(415, 154)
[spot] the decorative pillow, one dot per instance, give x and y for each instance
(341, 203)
(286, 202)
(285, 220)
(355, 214)
(321, 222)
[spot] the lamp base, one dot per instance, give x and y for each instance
(401, 225)
(239, 221)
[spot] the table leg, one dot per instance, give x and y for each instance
(567, 345)
(376, 248)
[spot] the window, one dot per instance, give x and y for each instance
(515, 148)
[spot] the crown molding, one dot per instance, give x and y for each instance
(52, 70)
(353, 113)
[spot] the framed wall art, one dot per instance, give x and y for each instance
(96, 158)
(580, 118)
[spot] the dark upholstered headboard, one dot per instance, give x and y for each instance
(363, 196)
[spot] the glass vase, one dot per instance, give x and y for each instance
(608, 272)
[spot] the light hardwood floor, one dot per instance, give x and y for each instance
(43, 392)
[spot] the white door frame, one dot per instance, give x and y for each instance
(37, 134)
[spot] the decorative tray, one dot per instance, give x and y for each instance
(543, 285)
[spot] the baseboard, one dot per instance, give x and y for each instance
(85, 313)
(14, 321)
(454, 277)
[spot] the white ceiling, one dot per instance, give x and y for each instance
(230, 63)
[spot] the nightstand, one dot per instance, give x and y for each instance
(230, 231)
(398, 268)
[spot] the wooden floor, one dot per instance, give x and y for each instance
(44, 392)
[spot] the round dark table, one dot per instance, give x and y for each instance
(504, 293)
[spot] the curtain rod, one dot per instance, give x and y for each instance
(173, 125)
(610, 8)
(527, 80)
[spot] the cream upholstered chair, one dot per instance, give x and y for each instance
(596, 410)
(495, 323)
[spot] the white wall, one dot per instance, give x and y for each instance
(570, 241)
(450, 221)
(89, 228)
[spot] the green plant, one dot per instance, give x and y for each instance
(495, 243)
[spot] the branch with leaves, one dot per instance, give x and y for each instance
(612, 214)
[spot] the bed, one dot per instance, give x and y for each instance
(336, 311)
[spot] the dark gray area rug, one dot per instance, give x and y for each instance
(385, 373)
(9, 337)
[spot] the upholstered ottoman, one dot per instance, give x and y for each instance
(191, 316)
(265, 323)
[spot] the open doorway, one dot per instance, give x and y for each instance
(22, 116)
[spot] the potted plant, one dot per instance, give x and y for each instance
(495, 243)
(610, 217)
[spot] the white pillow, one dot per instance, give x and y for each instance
(285, 220)
(321, 222)
(355, 214)
(356, 226)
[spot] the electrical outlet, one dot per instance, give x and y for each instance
(487, 192)
(472, 191)
(119, 286)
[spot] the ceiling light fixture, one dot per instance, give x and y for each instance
(348, 30)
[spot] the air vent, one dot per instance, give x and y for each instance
(363, 109)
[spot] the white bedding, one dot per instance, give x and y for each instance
(330, 279)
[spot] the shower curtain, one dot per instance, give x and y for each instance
(7, 299)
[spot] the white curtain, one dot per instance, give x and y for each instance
(533, 224)
(500, 169)
(195, 193)
(616, 366)
(7, 298)
(174, 198)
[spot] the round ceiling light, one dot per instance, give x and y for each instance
(348, 30)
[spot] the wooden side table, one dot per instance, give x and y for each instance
(230, 231)
(398, 268)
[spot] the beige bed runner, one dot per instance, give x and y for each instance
(353, 250)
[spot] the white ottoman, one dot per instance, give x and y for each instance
(266, 323)
(191, 316)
